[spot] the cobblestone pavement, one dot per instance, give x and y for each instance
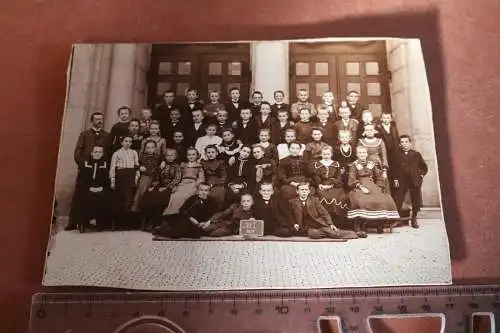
(130, 259)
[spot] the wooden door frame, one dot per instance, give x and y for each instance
(165, 52)
(337, 50)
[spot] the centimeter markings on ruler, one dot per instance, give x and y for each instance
(291, 311)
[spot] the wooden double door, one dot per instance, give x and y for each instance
(204, 67)
(342, 67)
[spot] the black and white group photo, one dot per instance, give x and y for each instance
(181, 163)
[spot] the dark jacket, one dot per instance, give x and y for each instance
(318, 215)
(412, 165)
(276, 214)
(86, 142)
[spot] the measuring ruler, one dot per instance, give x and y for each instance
(286, 311)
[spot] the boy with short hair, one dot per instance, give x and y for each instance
(302, 103)
(311, 219)
(279, 103)
(273, 210)
(327, 125)
(389, 133)
(246, 129)
(257, 98)
(213, 107)
(196, 130)
(235, 105)
(120, 128)
(192, 217)
(227, 222)
(145, 121)
(175, 124)
(408, 177)
(346, 123)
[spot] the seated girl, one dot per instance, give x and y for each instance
(292, 171)
(327, 180)
(241, 176)
(376, 152)
(214, 170)
(157, 196)
(191, 176)
(193, 214)
(227, 222)
(265, 167)
(368, 201)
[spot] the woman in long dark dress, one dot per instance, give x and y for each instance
(367, 200)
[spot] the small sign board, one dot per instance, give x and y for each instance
(251, 228)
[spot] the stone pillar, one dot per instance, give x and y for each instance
(87, 91)
(121, 83)
(421, 120)
(142, 64)
(411, 107)
(270, 68)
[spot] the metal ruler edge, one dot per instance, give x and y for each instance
(351, 307)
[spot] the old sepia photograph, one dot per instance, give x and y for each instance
(248, 165)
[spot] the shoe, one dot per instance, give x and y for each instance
(361, 234)
(414, 223)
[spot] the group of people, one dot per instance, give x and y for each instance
(193, 169)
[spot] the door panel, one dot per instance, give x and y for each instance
(341, 67)
(224, 72)
(316, 73)
(204, 67)
(363, 73)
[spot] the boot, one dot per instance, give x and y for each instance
(357, 229)
(414, 223)
(357, 226)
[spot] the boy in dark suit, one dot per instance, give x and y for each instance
(246, 129)
(196, 130)
(311, 219)
(235, 105)
(273, 210)
(409, 174)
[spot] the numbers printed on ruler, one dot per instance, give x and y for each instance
(252, 311)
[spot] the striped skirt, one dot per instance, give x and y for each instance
(375, 205)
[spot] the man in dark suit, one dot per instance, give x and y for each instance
(273, 210)
(311, 219)
(162, 111)
(87, 140)
(410, 172)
